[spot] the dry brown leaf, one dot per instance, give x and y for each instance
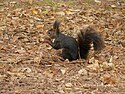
(82, 72)
(69, 12)
(63, 70)
(40, 26)
(1, 46)
(108, 79)
(14, 70)
(37, 59)
(123, 44)
(2, 65)
(53, 70)
(27, 70)
(108, 66)
(34, 11)
(68, 85)
(11, 59)
(15, 38)
(61, 13)
(48, 73)
(113, 6)
(21, 50)
(30, 1)
(95, 66)
(98, 1)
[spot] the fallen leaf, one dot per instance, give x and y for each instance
(61, 13)
(63, 71)
(34, 12)
(68, 85)
(108, 66)
(21, 50)
(45, 12)
(1, 46)
(40, 26)
(108, 79)
(82, 72)
(95, 66)
(98, 1)
(69, 12)
(27, 70)
(14, 70)
(123, 44)
(30, 1)
(113, 6)
(2, 65)
(37, 59)
(15, 38)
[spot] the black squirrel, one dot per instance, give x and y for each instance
(71, 47)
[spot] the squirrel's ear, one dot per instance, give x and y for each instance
(56, 25)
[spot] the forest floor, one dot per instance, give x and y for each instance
(28, 65)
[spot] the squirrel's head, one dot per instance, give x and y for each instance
(54, 32)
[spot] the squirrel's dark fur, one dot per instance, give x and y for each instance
(71, 47)
(86, 38)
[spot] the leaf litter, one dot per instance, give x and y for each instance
(29, 65)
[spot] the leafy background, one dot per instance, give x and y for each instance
(28, 65)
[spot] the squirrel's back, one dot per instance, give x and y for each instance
(69, 46)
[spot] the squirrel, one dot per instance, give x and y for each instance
(73, 49)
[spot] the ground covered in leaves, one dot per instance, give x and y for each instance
(28, 65)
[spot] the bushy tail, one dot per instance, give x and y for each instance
(85, 38)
